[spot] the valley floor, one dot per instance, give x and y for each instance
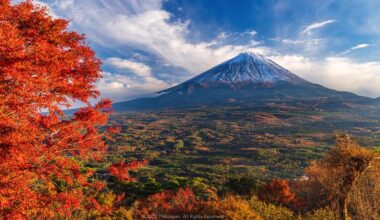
(216, 144)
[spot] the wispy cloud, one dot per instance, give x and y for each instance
(359, 46)
(306, 41)
(290, 41)
(308, 29)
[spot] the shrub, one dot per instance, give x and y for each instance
(183, 204)
(234, 208)
(245, 186)
(320, 214)
(270, 211)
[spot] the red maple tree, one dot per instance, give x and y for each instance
(43, 67)
(121, 170)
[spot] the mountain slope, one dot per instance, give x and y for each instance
(246, 79)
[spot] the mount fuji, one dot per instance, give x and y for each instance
(247, 79)
(246, 68)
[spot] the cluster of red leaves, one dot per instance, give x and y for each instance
(121, 170)
(168, 203)
(279, 192)
(184, 204)
(42, 68)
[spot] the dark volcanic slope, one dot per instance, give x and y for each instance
(247, 79)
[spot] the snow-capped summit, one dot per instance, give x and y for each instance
(245, 68)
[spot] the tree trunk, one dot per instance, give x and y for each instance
(354, 167)
(342, 207)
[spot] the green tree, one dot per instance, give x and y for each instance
(178, 145)
(245, 186)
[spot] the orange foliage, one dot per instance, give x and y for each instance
(168, 203)
(279, 192)
(42, 68)
(183, 204)
(346, 170)
(233, 208)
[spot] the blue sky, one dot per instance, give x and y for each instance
(149, 45)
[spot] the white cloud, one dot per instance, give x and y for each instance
(338, 73)
(359, 46)
(308, 29)
(289, 41)
(138, 68)
(295, 63)
(152, 32)
(307, 41)
(349, 75)
(111, 81)
(120, 86)
(308, 44)
(222, 35)
(123, 85)
(116, 85)
(252, 32)
(144, 25)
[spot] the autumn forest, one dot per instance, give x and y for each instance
(275, 160)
